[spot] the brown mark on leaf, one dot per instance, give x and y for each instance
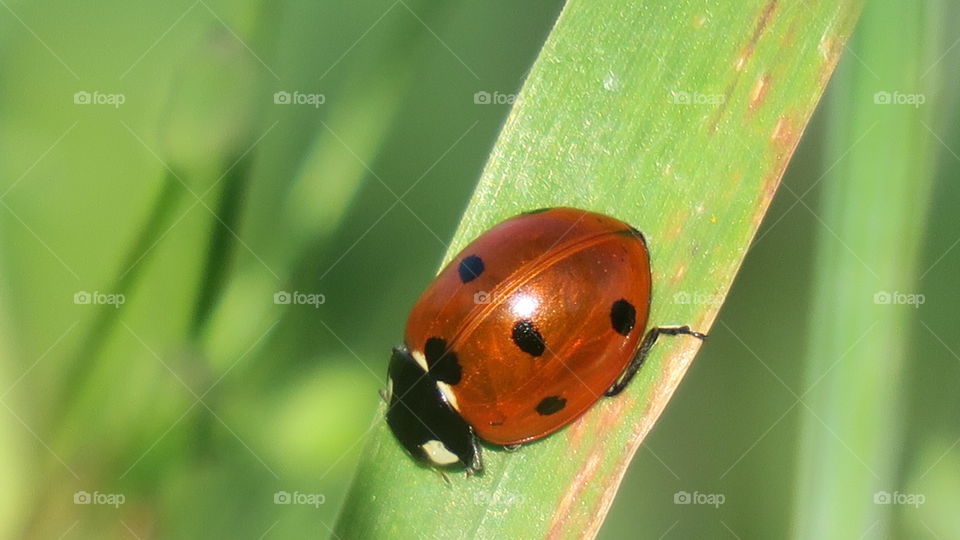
(763, 21)
(785, 136)
(746, 53)
(733, 186)
(576, 431)
(609, 416)
(790, 34)
(676, 224)
(679, 274)
(560, 523)
(759, 92)
(829, 48)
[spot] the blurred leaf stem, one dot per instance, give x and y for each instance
(877, 179)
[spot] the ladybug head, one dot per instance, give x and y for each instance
(422, 419)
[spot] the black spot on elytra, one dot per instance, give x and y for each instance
(526, 336)
(623, 316)
(537, 211)
(442, 363)
(470, 268)
(550, 405)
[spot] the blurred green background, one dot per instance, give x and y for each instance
(326, 150)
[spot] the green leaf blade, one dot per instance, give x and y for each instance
(679, 119)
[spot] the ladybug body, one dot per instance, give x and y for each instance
(520, 334)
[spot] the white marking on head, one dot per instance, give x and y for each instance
(438, 453)
(420, 359)
(444, 388)
(447, 392)
(389, 389)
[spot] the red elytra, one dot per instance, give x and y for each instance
(521, 333)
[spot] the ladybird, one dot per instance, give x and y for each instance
(520, 334)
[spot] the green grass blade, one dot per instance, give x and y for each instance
(880, 168)
(678, 118)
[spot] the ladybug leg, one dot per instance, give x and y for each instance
(644, 350)
(476, 464)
